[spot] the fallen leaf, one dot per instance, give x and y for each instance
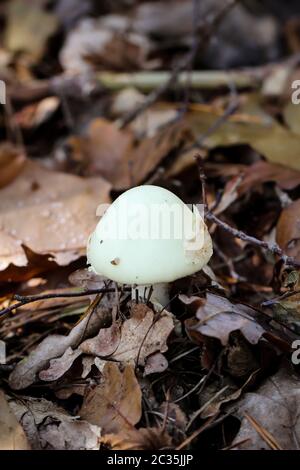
(218, 318)
(276, 406)
(143, 335)
(59, 211)
(53, 346)
(288, 230)
(28, 28)
(47, 426)
(94, 45)
(105, 343)
(115, 154)
(12, 161)
(12, 436)
(259, 130)
(155, 363)
(292, 116)
(262, 172)
(115, 404)
(34, 115)
(138, 439)
(58, 367)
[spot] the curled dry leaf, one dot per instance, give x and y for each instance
(115, 404)
(58, 367)
(59, 210)
(115, 154)
(138, 439)
(12, 436)
(53, 346)
(47, 426)
(105, 343)
(288, 230)
(155, 363)
(218, 318)
(143, 335)
(276, 407)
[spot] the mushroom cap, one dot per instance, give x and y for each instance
(148, 236)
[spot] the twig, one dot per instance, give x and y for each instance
(203, 31)
(28, 299)
(285, 295)
(273, 248)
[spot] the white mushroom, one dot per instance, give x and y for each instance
(148, 236)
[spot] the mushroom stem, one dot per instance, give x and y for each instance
(159, 295)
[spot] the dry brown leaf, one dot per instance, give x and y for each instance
(262, 172)
(50, 213)
(155, 363)
(47, 426)
(12, 161)
(94, 45)
(105, 343)
(36, 114)
(218, 318)
(114, 154)
(58, 367)
(273, 141)
(28, 28)
(276, 406)
(288, 230)
(12, 436)
(53, 346)
(115, 404)
(143, 335)
(138, 439)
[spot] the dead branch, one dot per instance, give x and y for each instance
(273, 248)
(28, 299)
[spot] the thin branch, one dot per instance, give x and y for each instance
(28, 299)
(273, 248)
(203, 31)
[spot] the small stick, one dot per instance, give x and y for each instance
(273, 248)
(28, 299)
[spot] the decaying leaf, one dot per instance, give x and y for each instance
(115, 404)
(276, 407)
(155, 363)
(115, 154)
(143, 335)
(12, 436)
(273, 141)
(58, 367)
(34, 115)
(218, 318)
(50, 213)
(138, 439)
(93, 45)
(53, 346)
(288, 230)
(29, 27)
(47, 426)
(262, 172)
(105, 343)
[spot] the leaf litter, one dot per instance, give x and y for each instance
(89, 115)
